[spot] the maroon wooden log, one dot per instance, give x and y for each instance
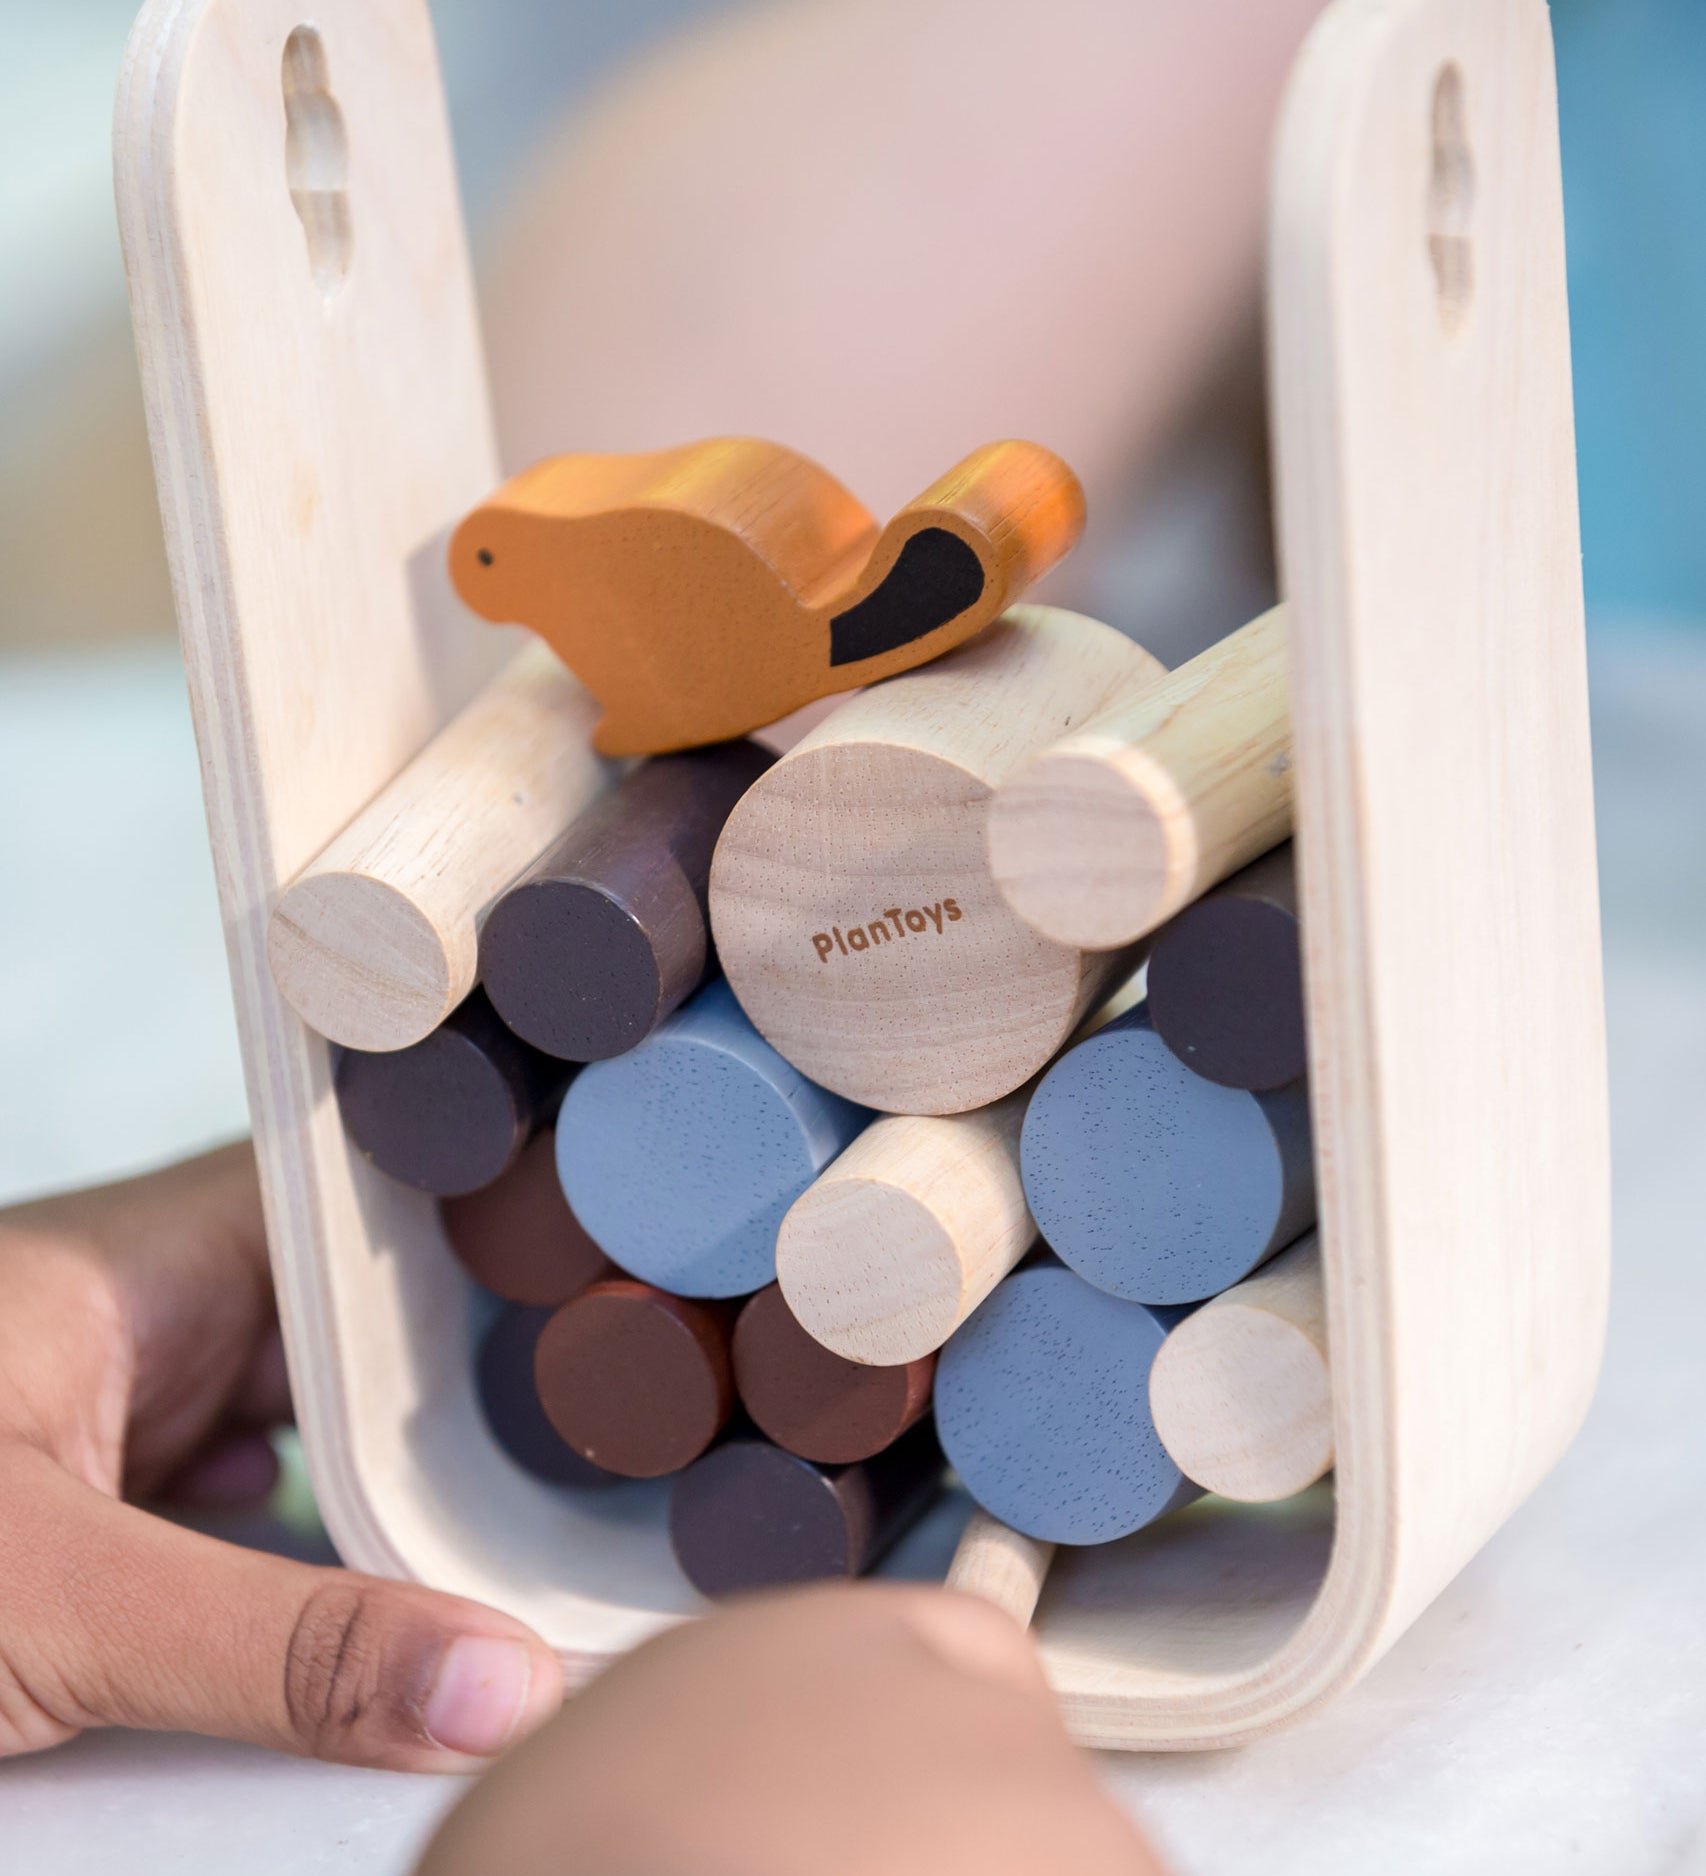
(750, 1516)
(518, 1238)
(814, 1402)
(1226, 980)
(509, 1401)
(595, 944)
(451, 1113)
(635, 1379)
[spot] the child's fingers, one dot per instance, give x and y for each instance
(262, 1396)
(114, 1617)
(235, 1468)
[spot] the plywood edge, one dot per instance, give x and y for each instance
(285, 1070)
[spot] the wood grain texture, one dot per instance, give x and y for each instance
(1442, 805)
(636, 1380)
(1042, 1405)
(703, 591)
(813, 1402)
(306, 488)
(1155, 1184)
(892, 1247)
(375, 941)
(518, 1239)
(1420, 381)
(1001, 1565)
(450, 1114)
(605, 934)
(1108, 832)
(1241, 1393)
(682, 1156)
(851, 899)
(749, 1516)
(1226, 979)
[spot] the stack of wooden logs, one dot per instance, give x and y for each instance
(931, 1094)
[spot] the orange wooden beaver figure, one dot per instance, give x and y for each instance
(703, 591)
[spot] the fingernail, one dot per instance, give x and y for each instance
(479, 1696)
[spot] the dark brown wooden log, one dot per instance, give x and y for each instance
(750, 1516)
(814, 1402)
(451, 1113)
(595, 944)
(637, 1380)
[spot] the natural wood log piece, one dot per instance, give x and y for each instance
(375, 941)
(891, 1248)
(1111, 830)
(1001, 1565)
(851, 898)
(1241, 1393)
(887, 1252)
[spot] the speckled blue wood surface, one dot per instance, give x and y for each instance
(1042, 1407)
(681, 1157)
(1155, 1184)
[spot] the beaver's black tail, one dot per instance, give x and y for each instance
(935, 578)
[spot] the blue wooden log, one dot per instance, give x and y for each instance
(1154, 1184)
(681, 1157)
(1042, 1407)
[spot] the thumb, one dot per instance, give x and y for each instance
(116, 1617)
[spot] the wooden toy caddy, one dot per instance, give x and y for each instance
(318, 411)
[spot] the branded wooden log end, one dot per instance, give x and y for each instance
(681, 1157)
(606, 934)
(510, 1404)
(1241, 1392)
(452, 1113)
(636, 1380)
(891, 1248)
(374, 943)
(518, 1238)
(750, 1516)
(1042, 1404)
(1155, 1184)
(1104, 835)
(1226, 980)
(851, 898)
(813, 1402)
(703, 591)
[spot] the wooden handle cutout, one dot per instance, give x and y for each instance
(316, 159)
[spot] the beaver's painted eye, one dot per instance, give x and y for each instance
(484, 556)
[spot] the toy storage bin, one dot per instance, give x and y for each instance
(318, 413)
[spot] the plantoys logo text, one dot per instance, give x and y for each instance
(896, 925)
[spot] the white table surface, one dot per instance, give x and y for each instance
(1547, 1715)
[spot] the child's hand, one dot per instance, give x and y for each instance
(870, 1730)
(139, 1352)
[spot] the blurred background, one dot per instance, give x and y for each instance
(621, 162)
